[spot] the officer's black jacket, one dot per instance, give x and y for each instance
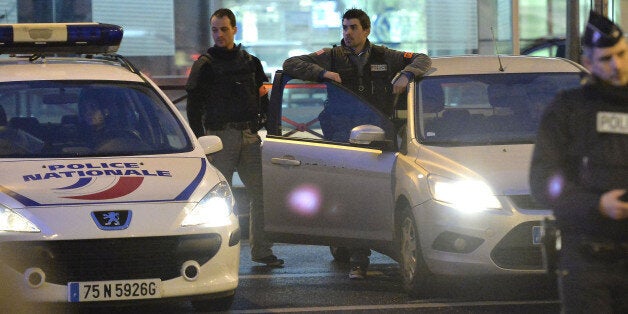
(581, 152)
(380, 68)
(223, 87)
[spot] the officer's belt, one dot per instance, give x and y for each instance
(243, 125)
(605, 249)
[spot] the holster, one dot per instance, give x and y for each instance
(550, 239)
(605, 250)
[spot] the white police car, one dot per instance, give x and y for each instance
(442, 187)
(105, 193)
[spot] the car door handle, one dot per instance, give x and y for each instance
(285, 160)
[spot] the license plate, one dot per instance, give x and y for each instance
(89, 291)
(536, 235)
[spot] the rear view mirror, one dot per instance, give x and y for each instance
(60, 98)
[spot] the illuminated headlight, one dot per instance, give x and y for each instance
(12, 221)
(465, 195)
(214, 209)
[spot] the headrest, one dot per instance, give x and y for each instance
(433, 96)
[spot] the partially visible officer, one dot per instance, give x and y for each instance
(374, 72)
(225, 98)
(580, 169)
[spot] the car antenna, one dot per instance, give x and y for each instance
(501, 68)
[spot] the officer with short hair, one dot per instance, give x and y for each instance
(226, 98)
(371, 71)
(364, 68)
(580, 169)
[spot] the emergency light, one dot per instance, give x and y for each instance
(54, 38)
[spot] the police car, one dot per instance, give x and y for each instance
(441, 186)
(105, 193)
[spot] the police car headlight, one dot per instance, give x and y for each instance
(464, 195)
(12, 221)
(214, 209)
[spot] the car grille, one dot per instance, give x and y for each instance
(110, 259)
(516, 250)
(526, 201)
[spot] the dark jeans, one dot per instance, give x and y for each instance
(359, 257)
(589, 284)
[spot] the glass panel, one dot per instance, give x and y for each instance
(486, 109)
(344, 111)
(325, 111)
(67, 119)
(302, 103)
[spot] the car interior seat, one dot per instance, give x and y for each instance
(454, 122)
(513, 98)
(27, 124)
(433, 101)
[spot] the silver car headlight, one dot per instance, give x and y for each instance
(214, 209)
(465, 195)
(12, 221)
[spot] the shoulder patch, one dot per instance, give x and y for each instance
(408, 55)
(320, 52)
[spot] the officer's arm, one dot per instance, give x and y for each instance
(310, 67)
(260, 78)
(407, 63)
(197, 97)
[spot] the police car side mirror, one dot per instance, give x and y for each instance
(210, 144)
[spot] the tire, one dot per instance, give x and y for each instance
(214, 305)
(415, 275)
(340, 254)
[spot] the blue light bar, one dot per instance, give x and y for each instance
(53, 38)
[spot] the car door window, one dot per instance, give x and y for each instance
(325, 111)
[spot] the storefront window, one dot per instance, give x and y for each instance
(164, 37)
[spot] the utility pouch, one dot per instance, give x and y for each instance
(604, 250)
(551, 244)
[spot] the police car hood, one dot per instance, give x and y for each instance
(503, 167)
(39, 182)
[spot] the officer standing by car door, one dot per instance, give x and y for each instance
(371, 71)
(226, 98)
(580, 168)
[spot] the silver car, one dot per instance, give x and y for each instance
(441, 186)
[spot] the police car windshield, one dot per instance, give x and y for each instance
(71, 118)
(485, 109)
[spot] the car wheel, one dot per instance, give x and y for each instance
(414, 272)
(213, 305)
(340, 254)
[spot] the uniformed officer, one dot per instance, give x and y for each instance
(225, 98)
(374, 72)
(580, 168)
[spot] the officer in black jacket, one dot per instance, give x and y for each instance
(364, 68)
(371, 71)
(226, 97)
(580, 168)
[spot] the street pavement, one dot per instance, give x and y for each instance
(312, 282)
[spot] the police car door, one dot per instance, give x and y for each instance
(319, 188)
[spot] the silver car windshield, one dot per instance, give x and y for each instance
(485, 109)
(68, 119)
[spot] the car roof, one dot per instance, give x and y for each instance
(493, 64)
(65, 69)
